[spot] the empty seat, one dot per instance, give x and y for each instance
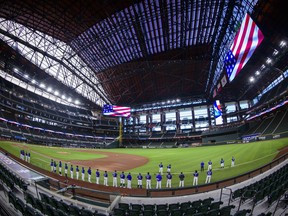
(86, 212)
(207, 201)
(74, 210)
(149, 207)
(136, 207)
(119, 212)
(124, 206)
(226, 210)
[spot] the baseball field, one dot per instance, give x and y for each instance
(248, 156)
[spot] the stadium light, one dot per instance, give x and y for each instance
(282, 44)
(275, 52)
(56, 93)
(69, 99)
(77, 102)
(257, 73)
(42, 85)
(26, 76)
(33, 81)
(15, 69)
(269, 61)
(63, 97)
(49, 89)
(252, 79)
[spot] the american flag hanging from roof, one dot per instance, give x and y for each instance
(247, 39)
(112, 110)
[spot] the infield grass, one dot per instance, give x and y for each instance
(248, 157)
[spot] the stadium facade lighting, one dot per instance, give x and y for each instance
(77, 102)
(282, 44)
(275, 52)
(49, 89)
(33, 81)
(257, 73)
(262, 67)
(63, 97)
(69, 100)
(15, 69)
(42, 85)
(252, 79)
(26, 76)
(56, 93)
(269, 61)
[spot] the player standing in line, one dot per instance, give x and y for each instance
(161, 168)
(209, 175)
(105, 178)
(122, 180)
(60, 168)
(129, 179)
(158, 180)
(232, 161)
(83, 174)
(66, 169)
(202, 166)
(169, 168)
(71, 171)
(114, 179)
(195, 179)
(52, 165)
(181, 177)
(209, 165)
(169, 179)
(77, 172)
(97, 176)
(29, 155)
(148, 181)
(139, 180)
(89, 171)
(222, 163)
(26, 156)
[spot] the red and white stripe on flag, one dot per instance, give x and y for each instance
(247, 39)
(214, 93)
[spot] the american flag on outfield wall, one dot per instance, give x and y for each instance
(247, 39)
(112, 110)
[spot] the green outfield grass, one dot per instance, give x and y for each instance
(248, 157)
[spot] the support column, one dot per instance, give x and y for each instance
(193, 119)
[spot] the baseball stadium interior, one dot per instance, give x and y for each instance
(146, 74)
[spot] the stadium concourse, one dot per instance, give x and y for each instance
(142, 74)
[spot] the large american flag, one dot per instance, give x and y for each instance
(112, 110)
(247, 39)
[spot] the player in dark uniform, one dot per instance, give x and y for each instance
(139, 180)
(97, 176)
(129, 180)
(202, 166)
(181, 178)
(114, 178)
(122, 179)
(158, 181)
(148, 181)
(169, 180)
(195, 179)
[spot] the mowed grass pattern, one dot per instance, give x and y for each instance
(248, 157)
